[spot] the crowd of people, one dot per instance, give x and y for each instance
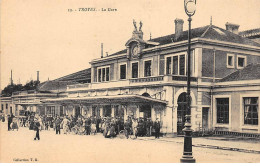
(109, 126)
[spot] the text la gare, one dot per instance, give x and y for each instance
(108, 9)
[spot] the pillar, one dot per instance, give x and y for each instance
(101, 109)
(174, 120)
(138, 111)
(73, 111)
(169, 125)
(81, 110)
(153, 114)
(125, 112)
(45, 110)
(90, 111)
(112, 111)
(170, 119)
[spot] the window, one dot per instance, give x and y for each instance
(123, 71)
(103, 74)
(168, 65)
(182, 65)
(223, 110)
(6, 106)
(107, 74)
(147, 68)
(241, 61)
(135, 70)
(51, 110)
(176, 65)
(99, 75)
(251, 110)
(230, 60)
(2, 106)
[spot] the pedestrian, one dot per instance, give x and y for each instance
(57, 125)
(149, 126)
(37, 129)
(65, 124)
(135, 128)
(9, 122)
(157, 128)
(127, 127)
(24, 121)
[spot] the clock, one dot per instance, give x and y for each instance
(134, 50)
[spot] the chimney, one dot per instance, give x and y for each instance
(11, 77)
(101, 50)
(178, 28)
(38, 78)
(232, 27)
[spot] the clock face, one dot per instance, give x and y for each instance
(135, 51)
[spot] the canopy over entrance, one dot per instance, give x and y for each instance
(117, 99)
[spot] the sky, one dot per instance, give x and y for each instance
(42, 35)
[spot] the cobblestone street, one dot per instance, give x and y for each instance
(19, 146)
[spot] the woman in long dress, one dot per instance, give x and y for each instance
(65, 125)
(135, 127)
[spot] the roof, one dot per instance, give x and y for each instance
(250, 33)
(130, 98)
(250, 72)
(54, 86)
(83, 76)
(208, 32)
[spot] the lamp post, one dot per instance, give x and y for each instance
(190, 8)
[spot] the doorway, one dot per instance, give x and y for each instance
(205, 118)
(181, 113)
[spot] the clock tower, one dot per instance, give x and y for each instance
(135, 45)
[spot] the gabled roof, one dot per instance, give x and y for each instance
(250, 72)
(83, 76)
(220, 34)
(208, 32)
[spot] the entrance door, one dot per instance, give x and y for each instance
(146, 109)
(107, 111)
(77, 112)
(205, 120)
(181, 113)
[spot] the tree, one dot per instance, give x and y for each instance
(9, 89)
(7, 92)
(32, 85)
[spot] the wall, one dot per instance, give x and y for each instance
(221, 69)
(237, 123)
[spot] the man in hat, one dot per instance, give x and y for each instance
(9, 122)
(157, 128)
(37, 129)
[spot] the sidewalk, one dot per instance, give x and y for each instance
(250, 145)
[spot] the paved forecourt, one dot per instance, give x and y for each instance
(19, 146)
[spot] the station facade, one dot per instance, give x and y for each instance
(148, 79)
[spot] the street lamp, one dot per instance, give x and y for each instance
(190, 8)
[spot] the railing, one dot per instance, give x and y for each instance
(148, 79)
(240, 134)
(183, 78)
(78, 86)
(24, 92)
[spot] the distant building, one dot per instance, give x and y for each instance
(148, 79)
(253, 34)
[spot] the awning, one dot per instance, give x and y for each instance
(117, 99)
